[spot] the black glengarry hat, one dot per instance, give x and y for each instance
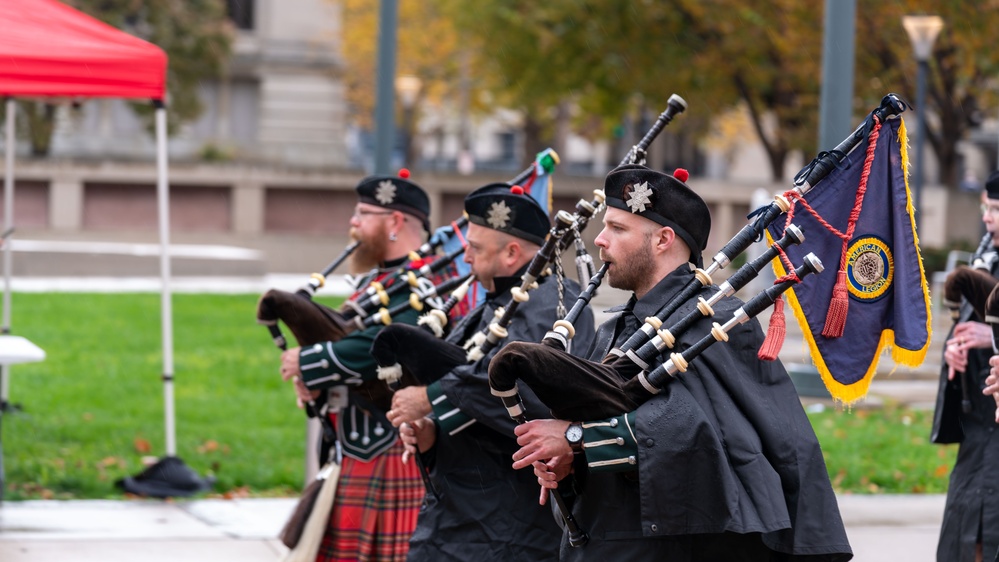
(992, 185)
(397, 193)
(663, 199)
(507, 209)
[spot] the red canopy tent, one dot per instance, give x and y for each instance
(48, 49)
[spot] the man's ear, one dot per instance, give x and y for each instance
(663, 239)
(398, 220)
(511, 252)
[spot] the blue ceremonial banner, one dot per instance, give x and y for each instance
(888, 299)
(453, 242)
(538, 185)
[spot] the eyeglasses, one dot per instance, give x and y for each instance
(990, 209)
(361, 213)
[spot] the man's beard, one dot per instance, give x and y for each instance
(369, 253)
(631, 271)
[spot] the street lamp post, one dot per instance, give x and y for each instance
(922, 31)
(408, 88)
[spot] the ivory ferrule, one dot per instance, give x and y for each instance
(646, 384)
(630, 354)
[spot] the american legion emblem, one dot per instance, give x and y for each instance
(870, 268)
(385, 192)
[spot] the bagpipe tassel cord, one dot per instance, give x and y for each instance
(840, 302)
(777, 329)
(775, 333)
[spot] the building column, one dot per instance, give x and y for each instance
(722, 223)
(248, 207)
(436, 204)
(66, 203)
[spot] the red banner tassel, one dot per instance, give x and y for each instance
(775, 333)
(838, 306)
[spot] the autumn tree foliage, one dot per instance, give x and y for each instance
(600, 56)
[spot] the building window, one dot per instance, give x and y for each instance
(508, 147)
(240, 12)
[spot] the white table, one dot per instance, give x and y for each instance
(15, 349)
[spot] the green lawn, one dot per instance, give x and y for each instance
(94, 407)
(883, 450)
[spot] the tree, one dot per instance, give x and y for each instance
(601, 53)
(473, 56)
(962, 73)
(195, 34)
(428, 47)
(765, 54)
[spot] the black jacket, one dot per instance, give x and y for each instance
(971, 514)
(726, 457)
(487, 511)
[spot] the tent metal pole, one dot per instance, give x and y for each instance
(8, 224)
(166, 312)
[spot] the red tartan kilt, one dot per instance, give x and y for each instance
(375, 510)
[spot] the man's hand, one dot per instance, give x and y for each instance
(956, 357)
(289, 364)
(540, 440)
(303, 394)
(408, 405)
(973, 335)
(290, 371)
(992, 382)
(551, 473)
(420, 434)
(966, 335)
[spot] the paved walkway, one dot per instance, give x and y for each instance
(889, 527)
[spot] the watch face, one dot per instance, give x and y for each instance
(574, 434)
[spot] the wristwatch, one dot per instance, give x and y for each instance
(574, 435)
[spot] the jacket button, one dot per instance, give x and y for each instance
(650, 442)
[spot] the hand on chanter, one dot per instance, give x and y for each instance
(973, 335)
(540, 440)
(551, 473)
(966, 336)
(408, 405)
(303, 394)
(420, 434)
(992, 382)
(955, 356)
(290, 371)
(289, 364)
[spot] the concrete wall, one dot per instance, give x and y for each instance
(298, 219)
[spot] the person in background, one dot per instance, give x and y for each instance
(377, 495)
(965, 414)
(484, 510)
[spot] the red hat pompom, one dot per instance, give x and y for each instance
(404, 173)
(681, 174)
(517, 190)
